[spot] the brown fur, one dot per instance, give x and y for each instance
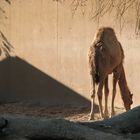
(105, 57)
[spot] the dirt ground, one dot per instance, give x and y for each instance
(68, 112)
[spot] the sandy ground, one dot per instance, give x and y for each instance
(68, 112)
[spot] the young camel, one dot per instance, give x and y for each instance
(105, 57)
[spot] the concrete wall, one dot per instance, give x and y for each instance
(47, 38)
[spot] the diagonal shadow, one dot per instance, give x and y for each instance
(21, 81)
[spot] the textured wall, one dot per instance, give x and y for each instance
(48, 39)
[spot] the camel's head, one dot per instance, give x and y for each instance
(128, 101)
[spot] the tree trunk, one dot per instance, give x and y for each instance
(128, 122)
(124, 126)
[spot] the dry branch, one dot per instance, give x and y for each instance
(5, 47)
(103, 7)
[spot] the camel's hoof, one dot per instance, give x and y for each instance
(106, 117)
(102, 116)
(106, 114)
(113, 114)
(91, 117)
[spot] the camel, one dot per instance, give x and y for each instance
(106, 56)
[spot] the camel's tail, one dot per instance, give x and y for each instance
(93, 58)
(97, 75)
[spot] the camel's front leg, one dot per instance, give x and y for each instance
(106, 92)
(92, 98)
(115, 79)
(100, 93)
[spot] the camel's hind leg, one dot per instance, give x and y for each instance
(100, 94)
(106, 91)
(92, 97)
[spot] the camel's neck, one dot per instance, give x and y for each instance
(123, 87)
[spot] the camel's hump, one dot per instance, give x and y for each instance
(108, 39)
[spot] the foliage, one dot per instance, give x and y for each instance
(5, 47)
(103, 7)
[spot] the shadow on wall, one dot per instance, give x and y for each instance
(21, 81)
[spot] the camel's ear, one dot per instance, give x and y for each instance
(131, 95)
